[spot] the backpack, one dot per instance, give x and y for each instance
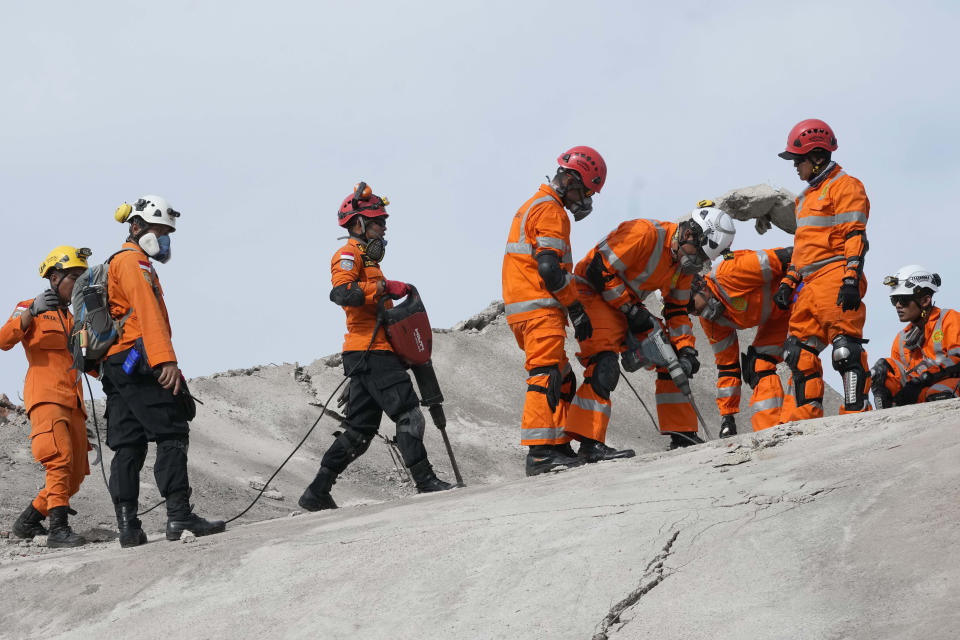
(94, 330)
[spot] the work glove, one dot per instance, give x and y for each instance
(909, 393)
(48, 300)
(582, 329)
(688, 360)
(395, 288)
(848, 299)
(639, 319)
(784, 296)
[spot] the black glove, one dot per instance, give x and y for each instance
(639, 320)
(582, 329)
(688, 360)
(784, 296)
(48, 300)
(848, 299)
(909, 393)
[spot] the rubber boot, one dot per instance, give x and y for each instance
(61, 535)
(28, 523)
(595, 451)
(547, 457)
(427, 481)
(316, 497)
(728, 426)
(686, 439)
(180, 518)
(129, 526)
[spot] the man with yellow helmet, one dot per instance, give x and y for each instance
(53, 396)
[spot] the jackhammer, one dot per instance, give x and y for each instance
(408, 330)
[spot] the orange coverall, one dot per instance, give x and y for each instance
(940, 349)
(636, 261)
(351, 265)
(830, 245)
(744, 285)
(536, 315)
(136, 295)
(53, 399)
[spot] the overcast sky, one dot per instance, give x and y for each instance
(255, 120)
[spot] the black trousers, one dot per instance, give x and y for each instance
(379, 383)
(139, 411)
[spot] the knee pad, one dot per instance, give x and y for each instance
(136, 455)
(748, 366)
(174, 444)
(412, 423)
(847, 356)
(792, 349)
(554, 388)
(354, 442)
(606, 374)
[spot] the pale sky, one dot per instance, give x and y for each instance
(255, 120)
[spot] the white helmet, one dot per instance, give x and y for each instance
(717, 227)
(152, 210)
(908, 279)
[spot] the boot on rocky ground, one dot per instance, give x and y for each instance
(180, 518)
(728, 426)
(316, 497)
(426, 480)
(685, 439)
(61, 535)
(595, 451)
(28, 523)
(547, 457)
(129, 526)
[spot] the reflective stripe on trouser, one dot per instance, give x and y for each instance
(941, 387)
(674, 412)
(767, 399)
(726, 353)
(58, 440)
(816, 319)
(542, 341)
(588, 414)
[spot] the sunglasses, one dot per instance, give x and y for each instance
(901, 300)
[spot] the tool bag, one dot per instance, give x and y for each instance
(94, 330)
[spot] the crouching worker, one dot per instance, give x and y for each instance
(53, 397)
(924, 363)
(379, 382)
(146, 395)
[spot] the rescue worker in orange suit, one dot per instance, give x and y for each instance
(614, 279)
(826, 277)
(539, 294)
(53, 397)
(379, 382)
(924, 363)
(738, 294)
(146, 393)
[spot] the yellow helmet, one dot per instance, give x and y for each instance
(65, 257)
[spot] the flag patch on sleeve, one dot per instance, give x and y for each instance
(146, 266)
(346, 261)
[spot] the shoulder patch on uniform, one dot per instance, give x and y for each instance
(346, 263)
(937, 335)
(673, 281)
(145, 265)
(739, 303)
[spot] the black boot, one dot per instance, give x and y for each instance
(316, 497)
(61, 535)
(427, 481)
(28, 523)
(180, 518)
(684, 439)
(728, 426)
(547, 457)
(595, 451)
(130, 527)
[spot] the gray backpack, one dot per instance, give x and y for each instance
(94, 330)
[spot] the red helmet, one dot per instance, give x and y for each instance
(808, 135)
(360, 201)
(588, 164)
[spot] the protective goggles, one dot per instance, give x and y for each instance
(901, 300)
(578, 182)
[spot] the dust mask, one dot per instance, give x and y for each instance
(156, 247)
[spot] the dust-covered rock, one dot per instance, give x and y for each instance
(762, 203)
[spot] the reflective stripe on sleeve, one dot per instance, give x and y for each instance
(832, 220)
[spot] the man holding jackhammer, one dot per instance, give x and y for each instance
(53, 397)
(613, 280)
(146, 393)
(826, 278)
(924, 362)
(379, 382)
(539, 294)
(738, 294)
